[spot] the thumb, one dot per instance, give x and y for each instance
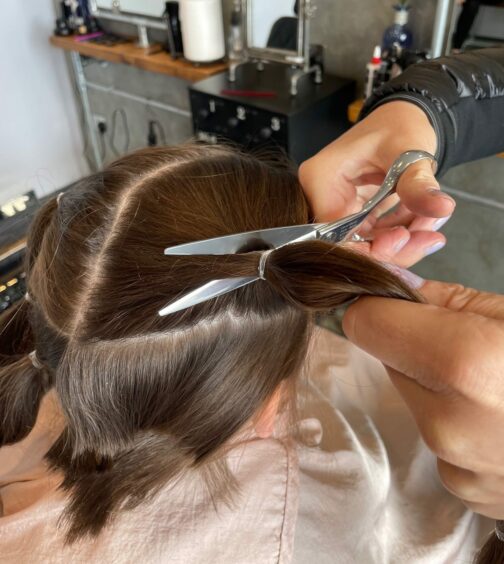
(419, 191)
(459, 298)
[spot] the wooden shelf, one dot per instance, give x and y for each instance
(129, 54)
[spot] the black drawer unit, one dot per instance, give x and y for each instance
(15, 218)
(301, 125)
(12, 288)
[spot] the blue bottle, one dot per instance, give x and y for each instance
(399, 32)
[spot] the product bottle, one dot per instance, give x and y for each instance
(202, 30)
(175, 46)
(398, 33)
(372, 70)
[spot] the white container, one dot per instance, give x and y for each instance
(202, 30)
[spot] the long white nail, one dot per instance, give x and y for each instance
(413, 280)
(434, 248)
(439, 223)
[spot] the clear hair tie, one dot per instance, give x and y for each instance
(262, 263)
(34, 360)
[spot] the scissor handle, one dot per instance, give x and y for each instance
(394, 174)
(387, 188)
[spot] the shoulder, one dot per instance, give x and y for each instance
(340, 370)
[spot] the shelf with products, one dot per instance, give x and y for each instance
(130, 54)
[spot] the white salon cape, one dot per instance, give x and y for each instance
(360, 487)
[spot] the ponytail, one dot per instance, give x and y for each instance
(23, 379)
(316, 276)
(22, 386)
(321, 276)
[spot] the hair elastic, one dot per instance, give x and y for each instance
(58, 197)
(499, 530)
(34, 360)
(262, 263)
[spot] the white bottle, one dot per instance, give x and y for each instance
(202, 30)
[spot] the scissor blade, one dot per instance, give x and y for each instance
(230, 244)
(206, 292)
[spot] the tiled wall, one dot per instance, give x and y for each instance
(348, 31)
(140, 94)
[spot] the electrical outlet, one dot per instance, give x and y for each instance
(100, 123)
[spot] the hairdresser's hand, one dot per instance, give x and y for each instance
(447, 361)
(347, 172)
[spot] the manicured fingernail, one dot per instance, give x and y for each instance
(413, 280)
(401, 244)
(434, 248)
(436, 193)
(439, 223)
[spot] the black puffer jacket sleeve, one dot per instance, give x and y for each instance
(463, 96)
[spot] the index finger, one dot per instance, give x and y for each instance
(428, 343)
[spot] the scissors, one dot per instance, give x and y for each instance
(335, 232)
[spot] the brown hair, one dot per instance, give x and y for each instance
(492, 551)
(146, 397)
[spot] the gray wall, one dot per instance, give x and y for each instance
(126, 85)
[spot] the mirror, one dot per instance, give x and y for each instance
(273, 25)
(278, 31)
(149, 8)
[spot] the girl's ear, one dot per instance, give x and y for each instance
(265, 423)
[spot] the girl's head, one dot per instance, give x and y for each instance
(147, 397)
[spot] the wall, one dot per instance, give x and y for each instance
(40, 137)
(349, 30)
